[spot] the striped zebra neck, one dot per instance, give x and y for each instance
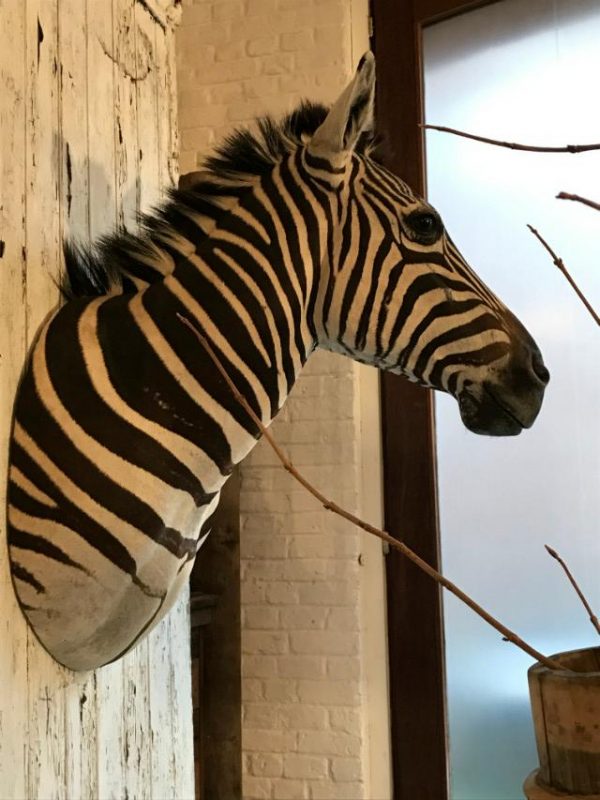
(250, 288)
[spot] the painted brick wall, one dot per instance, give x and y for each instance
(307, 732)
(302, 670)
(238, 58)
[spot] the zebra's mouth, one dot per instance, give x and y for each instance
(488, 415)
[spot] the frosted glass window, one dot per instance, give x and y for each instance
(519, 70)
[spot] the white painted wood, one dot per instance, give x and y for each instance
(102, 167)
(13, 630)
(87, 136)
(45, 699)
(169, 680)
(102, 126)
(123, 52)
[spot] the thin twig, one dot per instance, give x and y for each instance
(568, 148)
(578, 199)
(329, 505)
(593, 618)
(560, 264)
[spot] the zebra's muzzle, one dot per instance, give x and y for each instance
(510, 396)
(487, 415)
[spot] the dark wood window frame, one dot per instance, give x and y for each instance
(215, 605)
(415, 622)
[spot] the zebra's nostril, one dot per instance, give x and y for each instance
(539, 368)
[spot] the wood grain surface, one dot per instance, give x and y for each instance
(88, 136)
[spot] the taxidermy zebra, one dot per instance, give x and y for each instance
(124, 431)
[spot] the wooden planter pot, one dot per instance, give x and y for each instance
(566, 716)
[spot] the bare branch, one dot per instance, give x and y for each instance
(568, 148)
(560, 264)
(579, 199)
(331, 506)
(593, 618)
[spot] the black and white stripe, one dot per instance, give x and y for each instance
(294, 237)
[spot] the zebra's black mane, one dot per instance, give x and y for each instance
(106, 266)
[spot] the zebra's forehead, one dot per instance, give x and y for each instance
(385, 181)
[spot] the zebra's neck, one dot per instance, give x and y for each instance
(250, 287)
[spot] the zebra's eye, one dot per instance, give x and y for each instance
(425, 226)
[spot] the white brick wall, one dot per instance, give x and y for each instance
(303, 679)
(240, 58)
(307, 576)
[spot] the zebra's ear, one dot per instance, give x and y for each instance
(350, 115)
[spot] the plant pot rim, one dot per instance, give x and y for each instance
(538, 669)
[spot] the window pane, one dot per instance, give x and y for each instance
(520, 70)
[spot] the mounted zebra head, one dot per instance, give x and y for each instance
(395, 291)
(124, 432)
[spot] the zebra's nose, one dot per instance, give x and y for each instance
(539, 368)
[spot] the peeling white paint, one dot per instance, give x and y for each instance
(87, 137)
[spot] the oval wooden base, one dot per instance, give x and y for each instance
(535, 791)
